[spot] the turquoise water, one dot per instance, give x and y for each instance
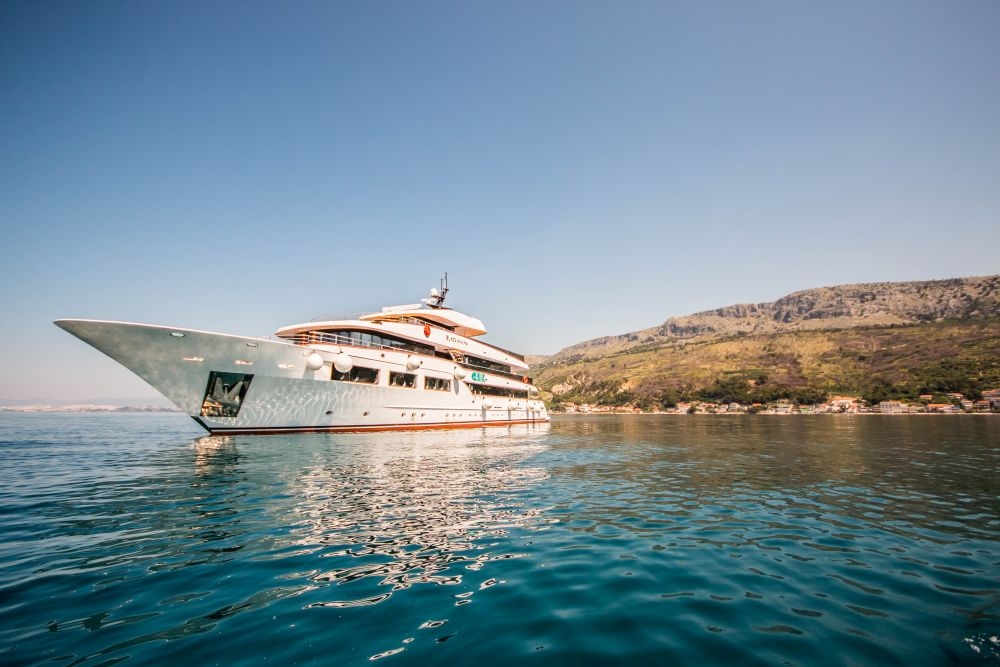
(806, 540)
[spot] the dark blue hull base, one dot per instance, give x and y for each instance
(357, 428)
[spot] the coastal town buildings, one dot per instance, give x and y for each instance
(957, 404)
(993, 397)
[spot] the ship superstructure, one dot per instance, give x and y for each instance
(412, 366)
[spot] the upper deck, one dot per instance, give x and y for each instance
(445, 318)
(426, 328)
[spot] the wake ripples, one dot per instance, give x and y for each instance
(655, 540)
(822, 549)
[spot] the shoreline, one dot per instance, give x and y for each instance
(87, 408)
(774, 414)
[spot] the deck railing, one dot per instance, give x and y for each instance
(410, 320)
(323, 337)
(317, 337)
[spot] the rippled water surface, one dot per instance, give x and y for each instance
(804, 540)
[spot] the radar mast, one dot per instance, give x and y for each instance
(436, 299)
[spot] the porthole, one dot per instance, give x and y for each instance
(177, 334)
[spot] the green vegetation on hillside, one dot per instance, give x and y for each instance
(877, 363)
(865, 306)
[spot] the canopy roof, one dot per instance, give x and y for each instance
(460, 323)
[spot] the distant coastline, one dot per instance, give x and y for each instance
(636, 413)
(948, 404)
(86, 407)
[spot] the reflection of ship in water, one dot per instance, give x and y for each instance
(391, 510)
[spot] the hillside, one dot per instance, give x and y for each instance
(880, 340)
(841, 307)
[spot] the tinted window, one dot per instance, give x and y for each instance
(402, 379)
(437, 384)
(357, 374)
(224, 394)
(497, 391)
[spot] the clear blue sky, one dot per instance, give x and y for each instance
(579, 168)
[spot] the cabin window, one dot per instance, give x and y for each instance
(402, 379)
(224, 394)
(437, 384)
(357, 374)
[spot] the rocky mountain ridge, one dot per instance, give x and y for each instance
(826, 308)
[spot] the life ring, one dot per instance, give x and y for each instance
(427, 330)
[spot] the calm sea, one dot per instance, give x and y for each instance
(673, 540)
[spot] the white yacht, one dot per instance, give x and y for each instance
(416, 366)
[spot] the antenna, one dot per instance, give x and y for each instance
(436, 299)
(444, 286)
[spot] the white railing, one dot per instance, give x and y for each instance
(342, 316)
(319, 337)
(387, 316)
(323, 337)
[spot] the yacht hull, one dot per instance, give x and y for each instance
(235, 384)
